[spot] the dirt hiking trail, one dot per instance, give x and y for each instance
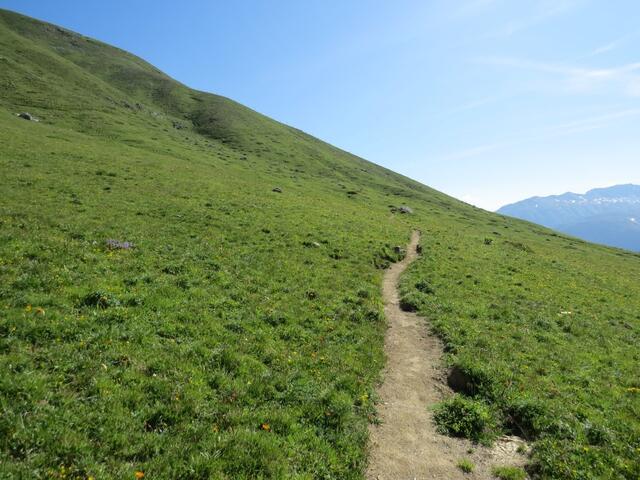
(405, 445)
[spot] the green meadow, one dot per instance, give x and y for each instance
(543, 331)
(189, 289)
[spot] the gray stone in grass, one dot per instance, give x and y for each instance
(27, 116)
(112, 244)
(277, 190)
(405, 209)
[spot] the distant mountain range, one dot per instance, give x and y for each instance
(610, 216)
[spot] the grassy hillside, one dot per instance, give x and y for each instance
(545, 330)
(241, 335)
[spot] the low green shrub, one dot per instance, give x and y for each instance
(473, 380)
(410, 302)
(386, 255)
(526, 417)
(99, 299)
(509, 473)
(424, 287)
(466, 465)
(465, 417)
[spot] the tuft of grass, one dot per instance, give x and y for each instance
(465, 417)
(509, 473)
(466, 465)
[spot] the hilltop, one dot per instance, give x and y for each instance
(190, 289)
(610, 216)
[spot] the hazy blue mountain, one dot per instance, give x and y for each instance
(603, 215)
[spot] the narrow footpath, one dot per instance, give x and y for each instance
(405, 445)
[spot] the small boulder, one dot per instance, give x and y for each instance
(27, 116)
(405, 209)
(309, 244)
(277, 190)
(112, 244)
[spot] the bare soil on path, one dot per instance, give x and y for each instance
(405, 445)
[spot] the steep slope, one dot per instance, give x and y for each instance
(241, 335)
(602, 215)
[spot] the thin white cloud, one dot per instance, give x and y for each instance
(608, 47)
(624, 79)
(543, 10)
(473, 105)
(525, 64)
(599, 120)
(604, 48)
(474, 7)
(474, 151)
(556, 131)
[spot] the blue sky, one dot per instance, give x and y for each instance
(490, 101)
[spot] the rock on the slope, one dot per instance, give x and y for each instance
(277, 190)
(400, 209)
(112, 244)
(27, 116)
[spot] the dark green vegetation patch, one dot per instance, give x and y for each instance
(189, 289)
(465, 417)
